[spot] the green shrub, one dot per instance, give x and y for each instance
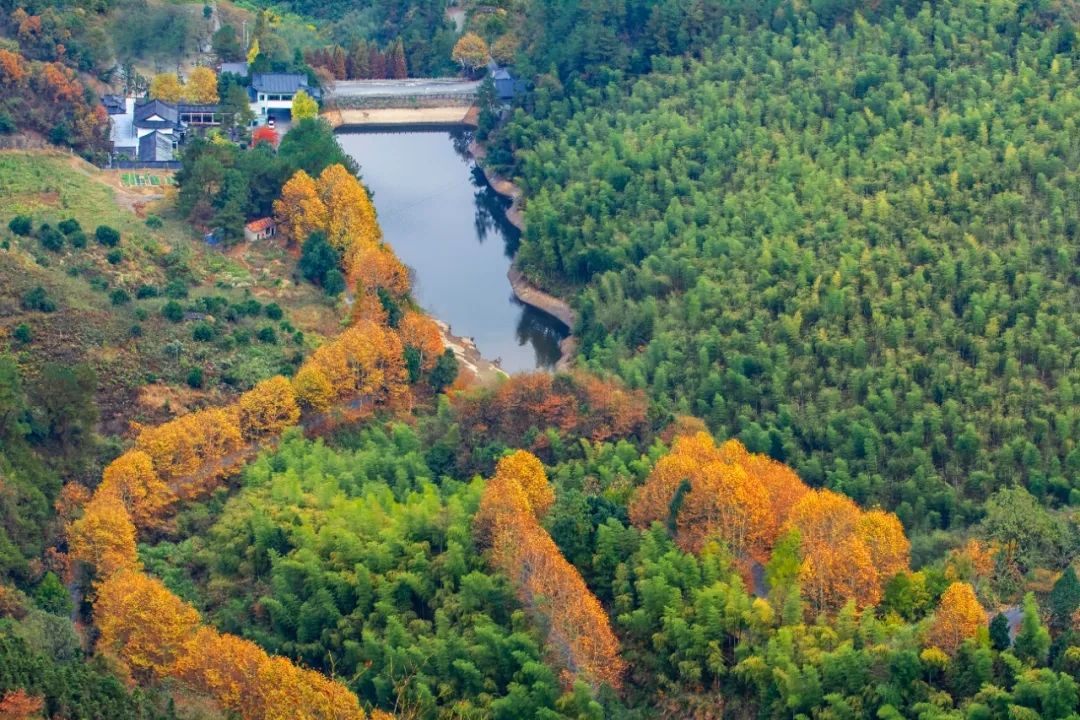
(50, 238)
(273, 311)
(267, 335)
(135, 330)
(176, 289)
(141, 314)
(22, 333)
(107, 236)
(146, 291)
(119, 296)
(21, 225)
(37, 298)
(195, 378)
(69, 226)
(203, 332)
(154, 222)
(77, 239)
(172, 311)
(115, 256)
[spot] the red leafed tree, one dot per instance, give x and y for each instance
(263, 134)
(21, 705)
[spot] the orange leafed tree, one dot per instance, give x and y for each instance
(142, 623)
(300, 209)
(834, 568)
(579, 631)
(365, 362)
(725, 504)
(959, 617)
(21, 705)
(131, 478)
(12, 68)
(420, 332)
(374, 267)
(268, 408)
(225, 668)
(890, 550)
(748, 500)
(104, 537)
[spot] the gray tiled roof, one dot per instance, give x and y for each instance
(164, 110)
(155, 147)
(279, 82)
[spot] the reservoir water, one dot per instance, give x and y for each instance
(446, 223)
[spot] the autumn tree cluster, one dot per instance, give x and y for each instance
(157, 635)
(153, 632)
(48, 98)
(337, 205)
(748, 501)
(523, 410)
(578, 629)
(363, 61)
(364, 365)
(201, 87)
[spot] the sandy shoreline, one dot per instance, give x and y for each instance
(399, 116)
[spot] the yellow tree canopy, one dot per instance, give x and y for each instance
(304, 106)
(167, 87)
(201, 86)
(470, 51)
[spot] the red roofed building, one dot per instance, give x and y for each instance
(260, 229)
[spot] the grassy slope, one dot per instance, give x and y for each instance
(138, 378)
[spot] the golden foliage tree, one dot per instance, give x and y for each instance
(470, 51)
(527, 471)
(890, 550)
(724, 504)
(373, 267)
(225, 668)
(365, 362)
(350, 216)
(747, 501)
(834, 567)
(142, 623)
(959, 617)
(300, 210)
(201, 87)
(185, 450)
(167, 87)
(420, 332)
(313, 390)
(268, 408)
(131, 479)
(104, 537)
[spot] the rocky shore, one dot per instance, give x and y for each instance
(524, 290)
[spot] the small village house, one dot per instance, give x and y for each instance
(260, 229)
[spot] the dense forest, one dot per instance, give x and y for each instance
(853, 249)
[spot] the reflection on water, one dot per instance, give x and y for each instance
(449, 226)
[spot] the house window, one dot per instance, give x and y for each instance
(262, 97)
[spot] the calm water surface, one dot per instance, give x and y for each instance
(446, 223)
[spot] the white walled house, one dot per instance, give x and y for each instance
(272, 93)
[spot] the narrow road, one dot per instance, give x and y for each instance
(412, 87)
